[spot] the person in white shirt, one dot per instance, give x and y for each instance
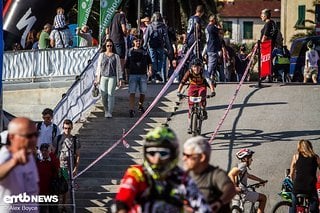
(47, 129)
(311, 64)
(18, 171)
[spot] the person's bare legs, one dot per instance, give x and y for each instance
(314, 78)
(262, 203)
(141, 99)
(131, 101)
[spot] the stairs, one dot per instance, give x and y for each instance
(96, 188)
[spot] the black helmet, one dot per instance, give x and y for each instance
(196, 62)
(310, 44)
(161, 137)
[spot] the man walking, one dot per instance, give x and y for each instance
(156, 39)
(139, 66)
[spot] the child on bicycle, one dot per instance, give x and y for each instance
(197, 86)
(239, 176)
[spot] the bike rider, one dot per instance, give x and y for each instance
(239, 176)
(197, 86)
(159, 185)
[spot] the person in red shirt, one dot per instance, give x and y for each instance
(197, 86)
(48, 168)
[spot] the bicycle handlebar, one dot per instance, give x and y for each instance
(187, 96)
(257, 185)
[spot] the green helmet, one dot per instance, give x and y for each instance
(161, 137)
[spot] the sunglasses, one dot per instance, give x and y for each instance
(188, 155)
(162, 153)
(30, 135)
(109, 45)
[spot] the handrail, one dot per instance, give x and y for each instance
(78, 98)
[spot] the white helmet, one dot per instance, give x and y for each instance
(244, 153)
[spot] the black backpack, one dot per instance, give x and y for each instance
(54, 130)
(156, 38)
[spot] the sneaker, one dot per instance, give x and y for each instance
(205, 115)
(107, 115)
(131, 113)
(141, 108)
(158, 77)
(189, 130)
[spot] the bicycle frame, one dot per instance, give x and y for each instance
(240, 206)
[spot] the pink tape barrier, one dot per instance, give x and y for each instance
(213, 136)
(155, 101)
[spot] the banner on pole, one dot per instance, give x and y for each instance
(84, 9)
(265, 58)
(107, 10)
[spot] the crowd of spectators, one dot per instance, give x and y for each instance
(37, 159)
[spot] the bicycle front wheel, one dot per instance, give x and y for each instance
(194, 123)
(235, 209)
(282, 207)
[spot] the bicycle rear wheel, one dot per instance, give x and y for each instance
(194, 123)
(235, 209)
(282, 207)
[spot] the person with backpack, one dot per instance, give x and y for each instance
(48, 131)
(281, 63)
(156, 40)
(239, 175)
(64, 144)
(212, 181)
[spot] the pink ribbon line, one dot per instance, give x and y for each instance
(213, 136)
(152, 105)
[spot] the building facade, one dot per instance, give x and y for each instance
(295, 16)
(241, 18)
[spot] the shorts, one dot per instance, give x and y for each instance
(120, 49)
(137, 83)
(251, 196)
(312, 71)
(65, 173)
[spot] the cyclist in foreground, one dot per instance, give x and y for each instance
(239, 176)
(303, 172)
(197, 87)
(159, 185)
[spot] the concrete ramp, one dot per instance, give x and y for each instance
(270, 120)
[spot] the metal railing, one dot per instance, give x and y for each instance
(46, 63)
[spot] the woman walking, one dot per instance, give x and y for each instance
(303, 173)
(109, 74)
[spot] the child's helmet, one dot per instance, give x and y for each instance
(244, 153)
